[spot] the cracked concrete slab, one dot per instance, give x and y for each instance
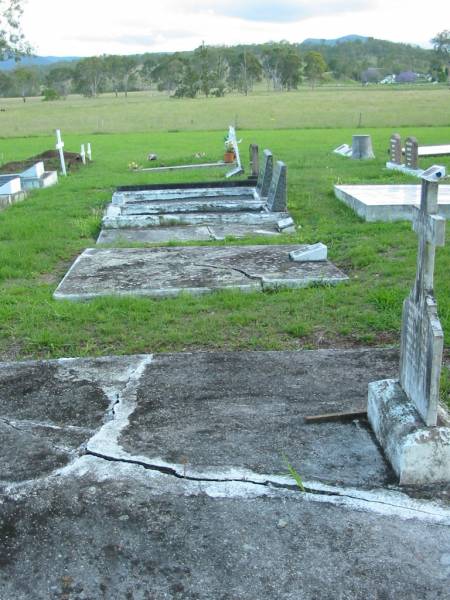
(185, 233)
(169, 271)
(49, 409)
(111, 528)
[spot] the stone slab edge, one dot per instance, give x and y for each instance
(418, 454)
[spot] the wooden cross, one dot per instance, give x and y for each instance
(60, 148)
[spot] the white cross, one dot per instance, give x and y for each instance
(83, 154)
(89, 151)
(60, 148)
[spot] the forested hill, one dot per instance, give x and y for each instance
(349, 58)
(217, 70)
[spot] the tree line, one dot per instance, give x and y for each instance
(217, 70)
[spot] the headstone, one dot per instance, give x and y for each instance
(395, 149)
(83, 154)
(362, 147)
(254, 160)
(422, 335)
(60, 148)
(405, 416)
(277, 196)
(411, 153)
(89, 151)
(265, 174)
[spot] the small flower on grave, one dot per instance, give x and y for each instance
(133, 166)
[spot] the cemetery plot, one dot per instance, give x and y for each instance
(10, 190)
(412, 151)
(51, 161)
(225, 210)
(388, 202)
(169, 271)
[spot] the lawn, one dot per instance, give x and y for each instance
(40, 238)
(328, 106)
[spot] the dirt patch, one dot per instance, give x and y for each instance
(51, 162)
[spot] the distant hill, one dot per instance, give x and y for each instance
(335, 42)
(35, 61)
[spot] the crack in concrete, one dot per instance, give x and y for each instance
(241, 271)
(266, 481)
(27, 431)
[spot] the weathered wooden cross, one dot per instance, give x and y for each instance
(60, 148)
(422, 335)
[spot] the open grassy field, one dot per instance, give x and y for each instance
(329, 107)
(40, 238)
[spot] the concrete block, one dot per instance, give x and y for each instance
(310, 253)
(419, 454)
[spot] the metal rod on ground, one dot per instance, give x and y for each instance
(344, 416)
(60, 148)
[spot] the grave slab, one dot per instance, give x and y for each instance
(388, 202)
(153, 235)
(179, 486)
(434, 150)
(169, 271)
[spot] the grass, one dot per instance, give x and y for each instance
(40, 238)
(324, 107)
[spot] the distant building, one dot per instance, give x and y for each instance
(406, 77)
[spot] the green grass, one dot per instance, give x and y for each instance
(325, 107)
(40, 238)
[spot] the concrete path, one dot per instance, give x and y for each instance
(165, 476)
(169, 271)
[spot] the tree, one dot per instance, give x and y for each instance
(60, 79)
(25, 81)
(441, 45)
(89, 75)
(12, 40)
(315, 67)
(244, 70)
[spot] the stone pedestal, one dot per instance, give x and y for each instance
(418, 454)
(362, 147)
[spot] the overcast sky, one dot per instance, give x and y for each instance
(89, 27)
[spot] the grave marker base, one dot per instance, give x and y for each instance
(418, 454)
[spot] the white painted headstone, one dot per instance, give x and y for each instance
(83, 154)
(422, 336)
(89, 151)
(60, 148)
